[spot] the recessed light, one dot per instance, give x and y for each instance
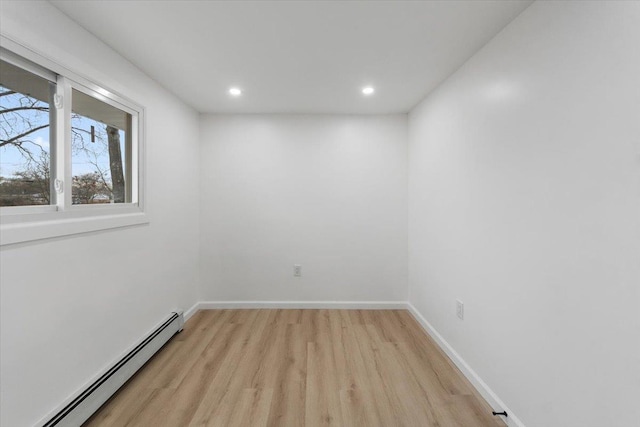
(235, 91)
(368, 90)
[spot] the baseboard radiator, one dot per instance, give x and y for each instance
(97, 393)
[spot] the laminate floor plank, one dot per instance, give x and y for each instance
(297, 368)
(289, 398)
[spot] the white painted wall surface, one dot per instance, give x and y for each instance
(70, 306)
(326, 192)
(524, 195)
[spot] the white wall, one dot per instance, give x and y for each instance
(524, 203)
(69, 306)
(326, 192)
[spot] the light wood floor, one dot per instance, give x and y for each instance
(298, 368)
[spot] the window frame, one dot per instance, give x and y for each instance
(62, 217)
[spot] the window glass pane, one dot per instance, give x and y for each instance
(101, 151)
(26, 129)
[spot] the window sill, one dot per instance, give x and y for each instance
(20, 232)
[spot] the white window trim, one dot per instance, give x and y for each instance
(29, 223)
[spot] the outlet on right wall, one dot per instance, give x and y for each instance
(524, 202)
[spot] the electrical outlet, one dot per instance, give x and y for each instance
(460, 309)
(297, 270)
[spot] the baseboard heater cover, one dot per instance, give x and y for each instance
(97, 393)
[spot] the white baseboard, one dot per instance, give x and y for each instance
(494, 401)
(356, 305)
(193, 310)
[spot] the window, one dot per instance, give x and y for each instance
(27, 126)
(100, 151)
(70, 152)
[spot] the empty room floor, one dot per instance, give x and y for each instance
(298, 368)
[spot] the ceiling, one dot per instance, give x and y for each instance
(296, 56)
